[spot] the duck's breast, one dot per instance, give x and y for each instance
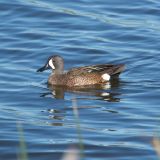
(57, 79)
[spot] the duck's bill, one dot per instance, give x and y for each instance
(43, 68)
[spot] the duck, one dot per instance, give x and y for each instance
(80, 76)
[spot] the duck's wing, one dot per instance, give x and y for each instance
(101, 69)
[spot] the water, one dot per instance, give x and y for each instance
(116, 122)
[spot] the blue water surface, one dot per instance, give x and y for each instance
(118, 121)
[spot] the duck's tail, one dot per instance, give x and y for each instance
(113, 70)
(117, 69)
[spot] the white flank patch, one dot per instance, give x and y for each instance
(51, 64)
(106, 77)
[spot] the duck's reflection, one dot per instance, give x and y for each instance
(56, 117)
(107, 92)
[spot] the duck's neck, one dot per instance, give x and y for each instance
(59, 70)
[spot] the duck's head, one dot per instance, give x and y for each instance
(56, 63)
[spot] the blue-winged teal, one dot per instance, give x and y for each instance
(87, 75)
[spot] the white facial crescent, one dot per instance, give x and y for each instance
(51, 64)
